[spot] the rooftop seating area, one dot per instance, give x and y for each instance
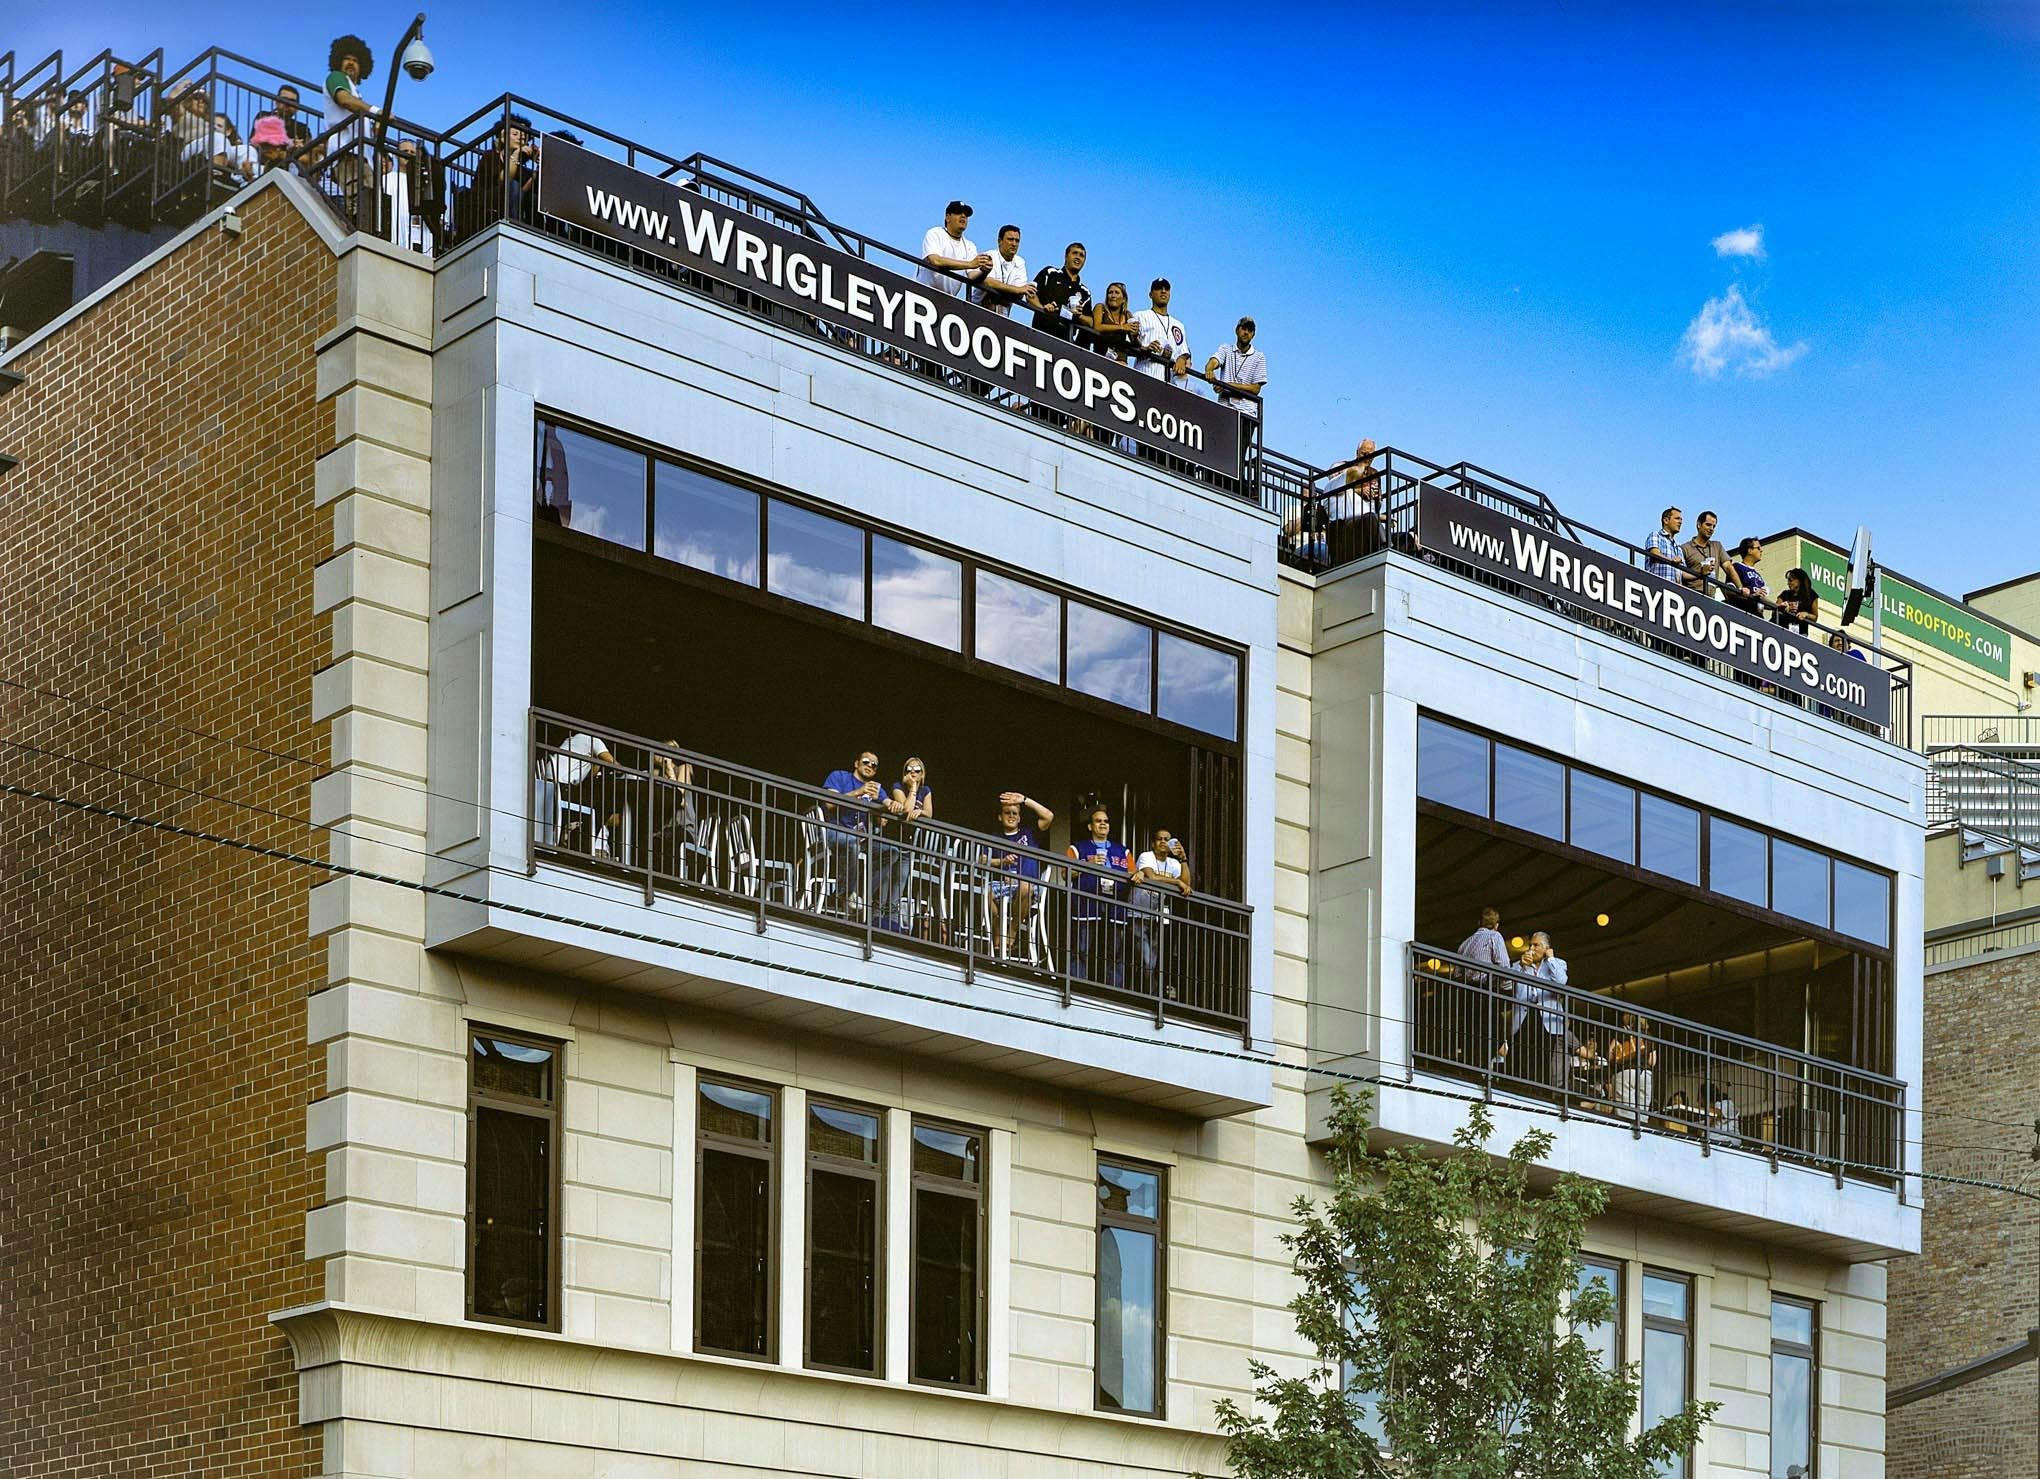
(131, 140)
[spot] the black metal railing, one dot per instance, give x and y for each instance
(672, 821)
(1982, 789)
(1601, 1057)
(2012, 732)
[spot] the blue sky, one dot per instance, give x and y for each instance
(1470, 231)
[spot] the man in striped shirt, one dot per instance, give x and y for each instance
(1662, 555)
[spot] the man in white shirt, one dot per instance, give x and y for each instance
(947, 246)
(1159, 873)
(1537, 1030)
(1164, 346)
(1007, 282)
(1237, 369)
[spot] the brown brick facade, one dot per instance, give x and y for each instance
(1973, 1287)
(156, 553)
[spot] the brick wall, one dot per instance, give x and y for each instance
(156, 555)
(1972, 1289)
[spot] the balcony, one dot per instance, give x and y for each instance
(1651, 1073)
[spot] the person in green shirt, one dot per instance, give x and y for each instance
(349, 63)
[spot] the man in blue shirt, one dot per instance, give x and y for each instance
(845, 837)
(1662, 556)
(1100, 925)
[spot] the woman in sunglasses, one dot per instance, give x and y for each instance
(910, 800)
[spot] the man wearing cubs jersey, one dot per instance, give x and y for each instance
(1164, 346)
(1099, 926)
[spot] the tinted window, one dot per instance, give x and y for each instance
(950, 1153)
(1862, 903)
(1529, 791)
(916, 593)
(1199, 686)
(1671, 839)
(1664, 1384)
(945, 1290)
(1604, 1337)
(1452, 766)
(1018, 627)
(1736, 863)
(513, 1191)
(735, 1230)
(816, 560)
(1603, 817)
(1799, 881)
(704, 523)
(1109, 656)
(1126, 1318)
(602, 491)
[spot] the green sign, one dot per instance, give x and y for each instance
(1911, 611)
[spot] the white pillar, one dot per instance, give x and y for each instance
(792, 1133)
(685, 1089)
(899, 1237)
(999, 1265)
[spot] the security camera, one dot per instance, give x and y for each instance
(418, 60)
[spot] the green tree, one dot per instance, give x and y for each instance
(1446, 1285)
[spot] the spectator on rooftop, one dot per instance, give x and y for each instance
(240, 159)
(1749, 580)
(1165, 353)
(191, 120)
(1160, 874)
(506, 173)
(946, 246)
(1707, 568)
(910, 800)
(349, 63)
(1006, 282)
(1239, 371)
(1798, 603)
(295, 129)
(1062, 304)
(271, 141)
(1014, 869)
(845, 837)
(1114, 333)
(1096, 954)
(1661, 550)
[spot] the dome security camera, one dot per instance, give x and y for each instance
(418, 60)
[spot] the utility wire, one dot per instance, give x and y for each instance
(156, 824)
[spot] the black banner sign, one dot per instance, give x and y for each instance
(656, 216)
(1458, 529)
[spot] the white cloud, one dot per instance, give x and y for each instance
(1744, 241)
(1726, 334)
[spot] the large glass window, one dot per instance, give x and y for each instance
(513, 1185)
(1018, 626)
(1799, 881)
(592, 485)
(1862, 903)
(1110, 657)
(1737, 862)
(735, 1220)
(1131, 1259)
(1198, 686)
(845, 1208)
(1603, 816)
(1452, 766)
(916, 593)
(705, 523)
(1603, 1338)
(946, 1302)
(1667, 1354)
(814, 559)
(1671, 838)
(1529, 791)
(1794, 1388)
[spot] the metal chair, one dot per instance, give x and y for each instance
(750, 872)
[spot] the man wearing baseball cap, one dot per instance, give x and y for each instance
(1164, 346)
(947, 246)
(1239, 372)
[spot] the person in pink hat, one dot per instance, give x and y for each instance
(271, 141)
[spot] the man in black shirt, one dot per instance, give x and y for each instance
(1061, 292)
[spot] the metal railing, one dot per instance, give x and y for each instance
(1361, 507)
(1604, 1058)
(2006, 731)
(672, 821)
(1975, 946)
(1981, 789)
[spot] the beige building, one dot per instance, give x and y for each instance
(577, 1086)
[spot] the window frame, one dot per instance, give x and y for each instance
(972, 563)
(1159, 1226)
(874, 1172)
(1618, 1270)
(551, 1113)
(1709, 816)
(704, 1140)
(1810, 1352)
(1664, 1325)
(919, 1181)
